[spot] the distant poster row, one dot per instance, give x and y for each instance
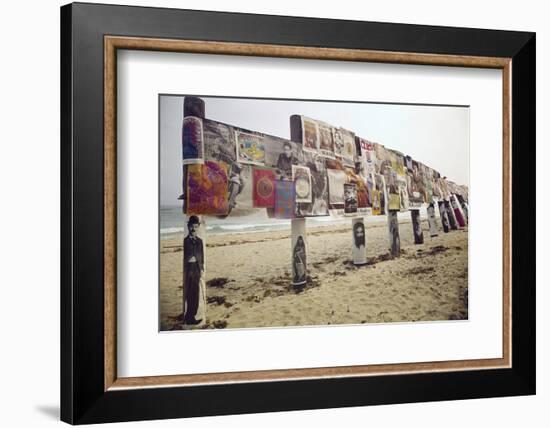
(233, 171)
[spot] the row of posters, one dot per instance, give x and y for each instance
(232, 171)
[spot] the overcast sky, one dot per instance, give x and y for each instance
(437, 136)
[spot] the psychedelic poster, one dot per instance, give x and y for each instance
(350, 198)
(250, 148)
(263, 188)
(207, 188)
(310, 135)
(284, 199)
(326, 142)
(192, 140)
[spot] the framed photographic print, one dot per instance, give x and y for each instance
(265, 213)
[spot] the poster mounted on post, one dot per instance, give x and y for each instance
(192, 140)
(310, 135)
(250, 148)
(301, 177)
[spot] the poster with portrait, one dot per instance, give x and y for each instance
(347, 148)
(299, 252)
(310, 135)
(326, 142)
(319, 205)
(281, 154)
(359, 247)
(380, 183)
(192, 140)
(350, 198)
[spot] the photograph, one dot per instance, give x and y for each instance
(292, 213)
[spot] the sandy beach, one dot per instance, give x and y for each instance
(248, 279)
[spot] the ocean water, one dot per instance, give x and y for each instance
(172, 221)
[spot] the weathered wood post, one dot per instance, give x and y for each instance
(193, 106)
(298, 230)
(393, 229)
(443, 216)
(431, 220)
(417, 227)
(359, 246)
(299, 251)
(451, 215)
(464, 205)
(458, 211)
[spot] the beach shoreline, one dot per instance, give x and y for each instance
(248, 279)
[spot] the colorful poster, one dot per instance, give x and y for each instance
(310, 135)
(326, 142)
(207, 188)
(302, 183)
(192, 140)
(363, 199)
(394, 202)
(264, 188)
(220, 146)
(284, 199)
(350, 198)
(250, 148)
(336, 180)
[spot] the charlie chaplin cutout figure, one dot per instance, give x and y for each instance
(193, 266)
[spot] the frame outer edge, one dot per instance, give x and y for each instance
(121, 405)
(524, 219)
(66, 226)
